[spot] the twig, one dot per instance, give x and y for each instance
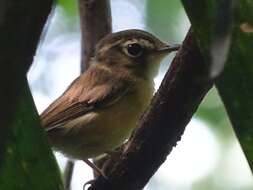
(178, 97)
(68, 172)
(95, 16)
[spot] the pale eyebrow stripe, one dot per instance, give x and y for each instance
(145, 43)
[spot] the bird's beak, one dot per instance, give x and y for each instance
(160, 53)
(168, 48)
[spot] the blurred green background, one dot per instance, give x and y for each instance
(208, 157)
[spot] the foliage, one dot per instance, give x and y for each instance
(28, 162)
(225, 33)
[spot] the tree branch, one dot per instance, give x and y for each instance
(96, 22)
(177, 99)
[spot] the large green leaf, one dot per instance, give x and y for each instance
(224, 29)
(28, 162)
(236, 83)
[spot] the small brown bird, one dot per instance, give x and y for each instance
(99, 110)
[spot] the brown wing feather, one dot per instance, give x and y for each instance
(85, 94)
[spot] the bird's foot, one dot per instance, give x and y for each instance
(90, 182)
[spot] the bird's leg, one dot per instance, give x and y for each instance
(95, 168)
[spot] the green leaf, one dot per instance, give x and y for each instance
(28, 162)
(236, 83)
(212, 23)
(224, 29)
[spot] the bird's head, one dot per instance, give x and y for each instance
(137, 51)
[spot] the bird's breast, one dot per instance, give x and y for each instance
(106, 129)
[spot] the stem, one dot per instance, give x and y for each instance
(95, 16)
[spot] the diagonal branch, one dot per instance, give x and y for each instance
(178, 97)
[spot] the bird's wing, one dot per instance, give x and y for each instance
(81, 98)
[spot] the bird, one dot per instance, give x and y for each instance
(101, 107)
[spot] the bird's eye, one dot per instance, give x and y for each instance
(134, 50)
